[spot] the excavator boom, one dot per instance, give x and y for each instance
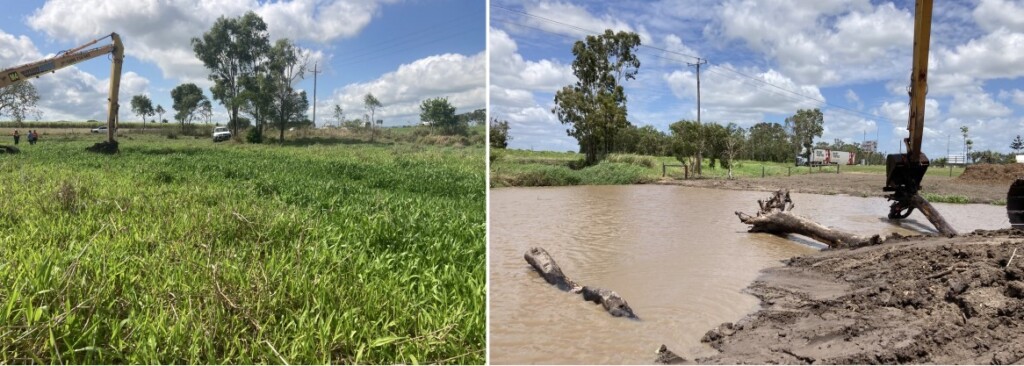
(73, 56)
(905, 171)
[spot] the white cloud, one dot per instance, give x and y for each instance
(994, 14)
(578, 16)
(161, 31)
(458, 77)
(728, 97)
(509, 70)
(977, 105)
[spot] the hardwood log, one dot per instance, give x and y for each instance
(611, 301)
(542, 262)
(775, 217)
(933, 215)
(546, 266)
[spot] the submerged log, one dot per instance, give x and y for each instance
(541, 261)
(775, 217)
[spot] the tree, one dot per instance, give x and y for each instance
(19, 101)
(595, 106)
(232, 50)
(804, 126)
(160, 112)
(206, 109)
(685, 140)
(286, 66)
(440, 113)
(187, 98)
(371, 104)
(970, 144)
(1017, 144)
(769, 142)
(963, 131)
(339, 115)
(499, 134)
(142, 106)
(733, 143)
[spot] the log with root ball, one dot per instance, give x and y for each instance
(541, 261)
(775, 217)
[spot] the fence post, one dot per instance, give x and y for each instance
(762, 171)
(686, 171)
(663, 169)
(837, 168)
(950, 170)
(789, 171)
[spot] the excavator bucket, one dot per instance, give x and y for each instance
(903, 179)
(1015, 204)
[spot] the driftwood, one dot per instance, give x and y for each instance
(775, 217)
(541, 261)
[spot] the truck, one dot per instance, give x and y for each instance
(832, 157)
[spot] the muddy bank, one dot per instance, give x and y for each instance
(915, 300)
(855, 184)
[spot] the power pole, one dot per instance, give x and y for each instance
(700, 127)
(315, 72)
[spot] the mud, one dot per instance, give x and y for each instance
(911, 300)
(994, 173)
(856, 184)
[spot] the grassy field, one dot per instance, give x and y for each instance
(185, 251)
(546, 168)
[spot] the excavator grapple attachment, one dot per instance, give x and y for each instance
(1015, 204)
(903, 179)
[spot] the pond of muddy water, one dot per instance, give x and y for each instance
(678, 255)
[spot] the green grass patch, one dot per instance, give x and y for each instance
(185, 251)
(931, 197)
(549, 168)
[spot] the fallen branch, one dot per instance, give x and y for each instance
(933, 215)
(541, 261)
(775, 217)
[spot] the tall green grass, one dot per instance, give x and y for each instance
(185, 251)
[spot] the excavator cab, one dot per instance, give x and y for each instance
(1015, 204)
(903, 178)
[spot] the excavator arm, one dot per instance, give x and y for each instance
(73, 56)
(903, 172)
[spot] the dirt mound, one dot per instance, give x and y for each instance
(993, 172)
(917, 300)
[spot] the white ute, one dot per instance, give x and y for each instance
(221, 134)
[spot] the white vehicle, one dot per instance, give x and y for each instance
(101, 129)
(221, 134)
(832, 157)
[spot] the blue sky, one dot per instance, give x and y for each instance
(401, 51)
(850, 58)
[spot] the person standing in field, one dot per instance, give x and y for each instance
(31, 137)
(16, 137)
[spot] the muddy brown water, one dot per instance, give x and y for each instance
(678, 255)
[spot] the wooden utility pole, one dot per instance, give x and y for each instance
(700, 127)
(315, 72)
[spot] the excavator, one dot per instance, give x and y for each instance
(904, 172)
(73, 56)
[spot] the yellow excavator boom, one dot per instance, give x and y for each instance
(73, 56)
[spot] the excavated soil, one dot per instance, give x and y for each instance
(933, 299)
(857, 184)
(995, 173)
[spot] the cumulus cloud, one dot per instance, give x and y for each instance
(458, 77)
(161, 31)
(729, 97)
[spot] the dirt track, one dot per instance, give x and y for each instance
(915, 300)
(855, 184)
